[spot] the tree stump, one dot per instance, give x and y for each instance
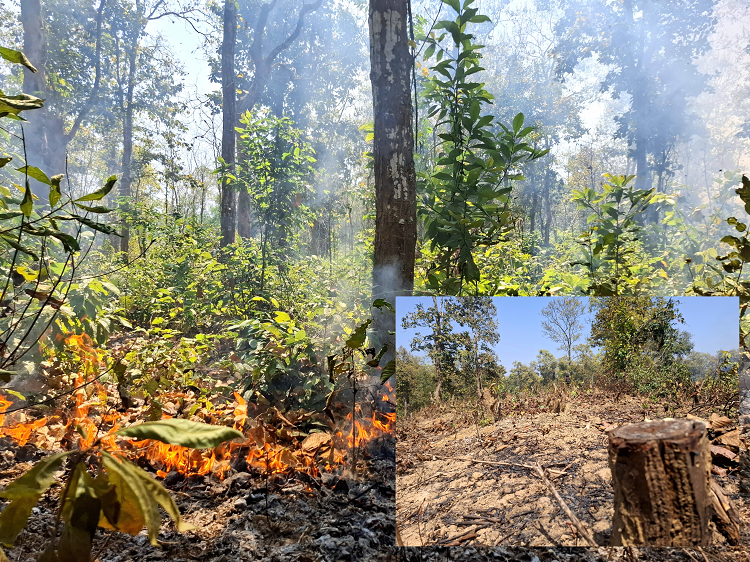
(661, 474)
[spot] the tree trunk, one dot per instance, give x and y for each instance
(229, 115)
(547, 204)
(35, 83)
(393, 155)
(244, 214)
(395, 180)
(46, 138)
(437, 395)
(127, 132)
(661, 474)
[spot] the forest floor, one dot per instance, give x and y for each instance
(316, 509)
(243, 517)
(442, 498)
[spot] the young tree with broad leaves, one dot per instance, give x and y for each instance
(641, 341)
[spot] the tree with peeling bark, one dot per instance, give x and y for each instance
(393, 145)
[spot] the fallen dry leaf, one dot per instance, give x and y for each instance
(315, 441)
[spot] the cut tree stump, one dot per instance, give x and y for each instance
(661, 473)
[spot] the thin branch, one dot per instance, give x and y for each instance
(284, 45)
(572, 516)
(97, 77)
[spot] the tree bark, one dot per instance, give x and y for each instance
(395, 180)
(35, 83)
(547, 204)
(229, 118)
(661, 473)
(127, 129)
(393, 155)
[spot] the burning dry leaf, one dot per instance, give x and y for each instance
(315, 441)
(258, 434)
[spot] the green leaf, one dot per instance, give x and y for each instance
(24, 492)
(382, 303)
(14, 244)
(36, 173)
(11, 106)
(481, 18)
(27, 203)
(376, 360)
(282, 317)
(70, 243)
(16, 57)
(388, 371)
(357, 338)
(517, 123)
(181, 432)
(54, 189)
(99, 226)
(4, 160)
(99, 193)
(453, 4)
(137, 510)
(97, 209)
(161, 495)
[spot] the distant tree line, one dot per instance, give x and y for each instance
(635, 345)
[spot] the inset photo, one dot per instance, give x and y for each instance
(567, 421)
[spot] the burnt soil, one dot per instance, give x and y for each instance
(243, 517)
(441, 500)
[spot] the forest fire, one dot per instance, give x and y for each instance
(265, 448)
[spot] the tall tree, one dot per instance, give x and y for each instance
(34, 83)
(441, 344)
(631, 329)
(229, 119)
(562, 322)
(478, 315)
(650, 48)
(132, 21)
(48, 144)
(393, 145)
(260, 65)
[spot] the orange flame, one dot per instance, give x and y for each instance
(270, 457)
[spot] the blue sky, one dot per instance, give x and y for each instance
(520, 325)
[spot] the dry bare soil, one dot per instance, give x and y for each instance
(443, 499)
